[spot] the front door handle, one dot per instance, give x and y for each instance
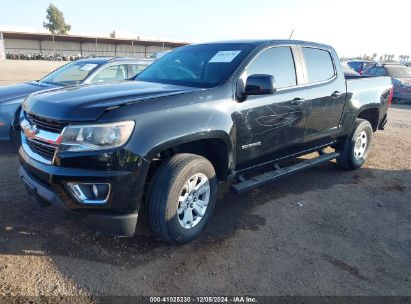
(297, 101)
(337, 94)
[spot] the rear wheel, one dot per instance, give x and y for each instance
(357, 147)
(182, 198)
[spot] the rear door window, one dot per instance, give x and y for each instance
(276, 61)
(136, 69)
(319, 64)
(111, 73)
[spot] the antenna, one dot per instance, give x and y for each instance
(292, 32)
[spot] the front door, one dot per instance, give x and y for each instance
(271, 126)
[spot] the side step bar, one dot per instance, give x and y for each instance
(281, 172)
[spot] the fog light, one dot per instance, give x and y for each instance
(90, 194)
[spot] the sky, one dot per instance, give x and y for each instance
(353, 27)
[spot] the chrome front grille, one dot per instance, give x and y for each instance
(40, 137)
(43, 149)
(46, 124)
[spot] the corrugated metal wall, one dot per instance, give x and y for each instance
(18, 46)
(21, 46)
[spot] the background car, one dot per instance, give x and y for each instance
(85, 71)
(348, 71)
(401, 79)
(360, 65)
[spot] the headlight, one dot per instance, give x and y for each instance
(95, 137)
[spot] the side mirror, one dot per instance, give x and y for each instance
(260, 84)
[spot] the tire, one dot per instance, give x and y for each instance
(357, 146)
(168, 211)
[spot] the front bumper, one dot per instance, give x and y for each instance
(47, 184)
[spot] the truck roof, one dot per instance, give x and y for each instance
(273, 41)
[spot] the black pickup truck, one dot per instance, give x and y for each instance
(200, 115)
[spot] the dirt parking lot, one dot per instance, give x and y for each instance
(324, 231)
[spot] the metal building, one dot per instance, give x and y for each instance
(67, 45)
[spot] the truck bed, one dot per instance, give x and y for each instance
(367, 89)
(369, 92)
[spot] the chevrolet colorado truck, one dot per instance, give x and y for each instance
(200, 115)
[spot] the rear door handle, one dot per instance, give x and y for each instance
(297, 101)
(337, 94)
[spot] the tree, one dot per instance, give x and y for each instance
(56, 23)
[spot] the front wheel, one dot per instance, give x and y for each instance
(182, 198)
(357, 147)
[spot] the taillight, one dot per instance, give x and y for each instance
(390, 96)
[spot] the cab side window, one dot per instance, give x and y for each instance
(111, 73)
(278, 62)
(136, 69)
(319, 64)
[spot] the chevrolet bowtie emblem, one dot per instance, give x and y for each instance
(29, 130)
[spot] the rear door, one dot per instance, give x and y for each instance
(271, 126)
(326, 94)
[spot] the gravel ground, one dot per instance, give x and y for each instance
(12, 71)
(324, 231)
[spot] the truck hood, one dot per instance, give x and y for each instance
(89, 102)
(21, 90)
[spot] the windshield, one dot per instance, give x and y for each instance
(202, 66)
(399, 71)
(70, 74)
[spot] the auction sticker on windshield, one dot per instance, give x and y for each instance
(88, 67)
(224, 56)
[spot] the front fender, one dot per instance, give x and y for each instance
(193, 137)
(165, 123)
(153, 136)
